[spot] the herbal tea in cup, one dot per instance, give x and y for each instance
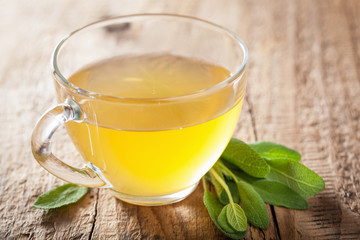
(149, 108)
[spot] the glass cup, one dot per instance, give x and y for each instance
(130, 144)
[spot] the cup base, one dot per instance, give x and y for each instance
(155, 200)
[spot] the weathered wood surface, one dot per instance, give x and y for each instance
(303, 91)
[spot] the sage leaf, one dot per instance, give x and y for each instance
(214, 208)
(240, 154)
(244, 177)
(213, 205)
(230, 231)
(278, 194)
(236, 217)
(253, 205)
(224, 199)
(271, 151)
(296, 176)
(223, 222)
(60, 196)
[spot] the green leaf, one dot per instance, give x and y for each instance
(223, 222)
(240, 154)
(224, 199)
(236, 217)
(230, 231)
(296, 176)
(243, 176)
(278, 194)
(253, 205)
(271, 151)
(60, 196)
(214, 208)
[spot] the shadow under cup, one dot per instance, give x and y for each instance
(148, 151)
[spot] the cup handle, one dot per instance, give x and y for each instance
(41, 139)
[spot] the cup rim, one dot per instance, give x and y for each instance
(90, 94)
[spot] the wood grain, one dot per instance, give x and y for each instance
(308, 100)
(303, 91)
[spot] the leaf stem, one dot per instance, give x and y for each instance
(222, 166)
(204, 185)
(223, 184)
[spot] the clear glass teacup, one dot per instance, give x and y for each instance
(150, 101)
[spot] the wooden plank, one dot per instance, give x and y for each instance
(306, 97)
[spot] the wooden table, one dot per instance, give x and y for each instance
(303, 91)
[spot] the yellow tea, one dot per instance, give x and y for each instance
(158, 146)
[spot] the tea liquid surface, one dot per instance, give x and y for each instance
(154, 148)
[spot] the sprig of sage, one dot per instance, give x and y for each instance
(252, 175)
